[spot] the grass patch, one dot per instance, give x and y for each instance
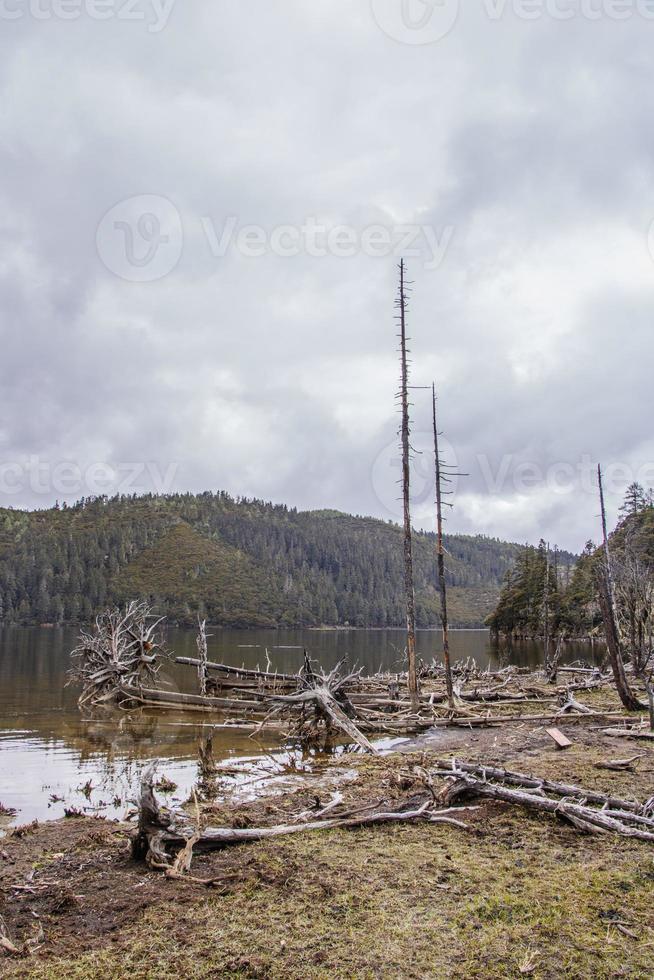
(400, 901)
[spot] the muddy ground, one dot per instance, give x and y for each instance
(516, 894)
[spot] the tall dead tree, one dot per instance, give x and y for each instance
(610, 618)
(405, 432)
(546, 604)
(440, 557)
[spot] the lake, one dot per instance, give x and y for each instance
(52, 757)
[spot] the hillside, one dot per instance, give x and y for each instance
(237, 562)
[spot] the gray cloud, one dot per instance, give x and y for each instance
(275, 376)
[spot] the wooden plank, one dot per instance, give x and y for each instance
(561, 741)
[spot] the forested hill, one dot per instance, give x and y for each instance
(237, 562)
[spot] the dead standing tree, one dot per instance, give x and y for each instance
(405, 432)
(203, 657)
(440, 555)
(546, 604)
(609, 616)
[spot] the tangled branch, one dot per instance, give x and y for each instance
(122, 650)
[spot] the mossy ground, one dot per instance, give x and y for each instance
(515, 895)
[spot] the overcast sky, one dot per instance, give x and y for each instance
(202, 209)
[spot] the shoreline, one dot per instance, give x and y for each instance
(515, 893)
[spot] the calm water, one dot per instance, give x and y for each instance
(49, 751)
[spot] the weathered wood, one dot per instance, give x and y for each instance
(322, 697)
(620, 765)
(609, 616)
(628, 733)
(159, 832)
(201, 641)
(122, 649)
(405, 433)
(536, 782)
(238, 671)
(463, 786)
(440, 556)
(561, 741)
(179, 700)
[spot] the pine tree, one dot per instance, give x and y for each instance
(635, 500)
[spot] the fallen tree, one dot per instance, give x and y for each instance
(167, 839)
(118, 662)
(163, 834)
(462, 786)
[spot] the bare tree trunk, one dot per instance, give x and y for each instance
(607, 606)
(440, 554)
(201, 641)
(406, 486)
(546, 605)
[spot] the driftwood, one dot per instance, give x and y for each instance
(122, 650)
(118, 661)
(259, 675)
(5, 940)
(167, 839)
(176, 699)
(449, 766)
(628, 733)
(163, 833)
(620, 765)
(326, 693)
(583, 817)
(322, 698)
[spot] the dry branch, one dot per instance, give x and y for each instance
(462, 786)
(160, 833)
(122, 650)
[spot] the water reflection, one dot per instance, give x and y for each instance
(49, 751)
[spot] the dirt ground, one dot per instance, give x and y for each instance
(516, 894)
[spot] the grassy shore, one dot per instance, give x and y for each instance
(515, 895)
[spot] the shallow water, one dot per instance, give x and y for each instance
(52, 757)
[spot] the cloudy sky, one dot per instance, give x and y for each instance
(202, 209)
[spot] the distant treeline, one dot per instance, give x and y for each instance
(539, 584)
(237, 562)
